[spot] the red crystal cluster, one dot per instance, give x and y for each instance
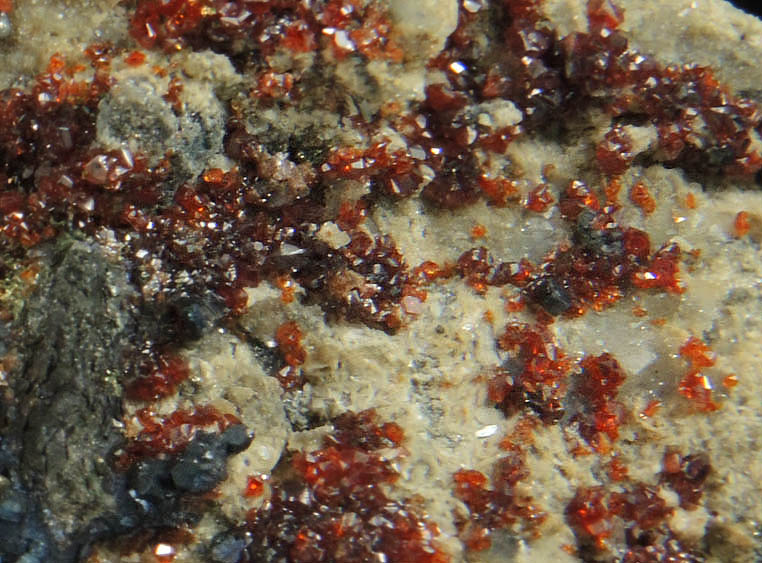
(348, 26)
(227, 231)
(598, 383)
(686, 475)
(697, 386)
(614, 153)
(289, 339)
(395, 174)
(332, 505)
(202, 231)
(372, 289)
(534, 376)
(640, 196)
(603, 263)
(44, 133)
(497, 506)
(170, 434)
(638, 513)
(606, 258)
(163, 376)
(701, 125)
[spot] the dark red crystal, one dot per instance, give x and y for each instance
(334, 507)
(686, 475)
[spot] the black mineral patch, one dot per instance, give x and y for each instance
(186, 318)
(598, 242)
(203, 464)
(155, 486)
(550, 295)
(228, 547)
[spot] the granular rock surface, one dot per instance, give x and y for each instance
(377, 280)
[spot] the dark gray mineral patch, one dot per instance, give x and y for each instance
(60, 419)
(64, 402)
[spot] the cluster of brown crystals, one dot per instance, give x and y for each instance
(169, 434)
(534, 375)
(603, 263)
(331, 504)
(203, 230)
(639, 513)
(697, 386)
(598, 384)
(230, 230)
(289, 340)
(497, 506)
(347, 26)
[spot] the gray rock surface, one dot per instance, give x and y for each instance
(135, 115)
(64, 406)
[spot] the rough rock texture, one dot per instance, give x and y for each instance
(64, 404)
(705, 32)
(62, 419)
(134, 115)
(40, 28)
(380, 280)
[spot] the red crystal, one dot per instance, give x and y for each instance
(595, 515)
(603, 15)
(640, 196)
(289, 339)
(136, 58)
(686, 475)
(539, 199)
(598, 384)
(351, 215)
(499, 191)
(661, 272)
(161, 381)
(641, 505)
(334, 507)
(697, 353)
(536, 377)
(601, 378)
(495, 507)
(255, 487)
(614, 153)
(170, 434)
(741, 224)
(588, 514)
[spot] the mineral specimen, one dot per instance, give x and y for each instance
(378, 280)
